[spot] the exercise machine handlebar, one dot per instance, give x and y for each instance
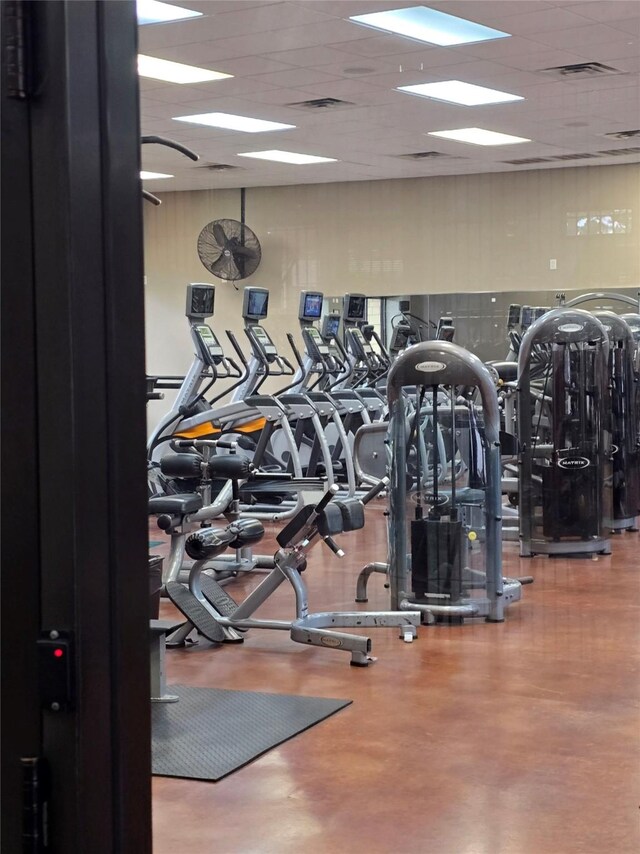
(169, 143)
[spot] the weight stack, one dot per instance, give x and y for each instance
(436, 558)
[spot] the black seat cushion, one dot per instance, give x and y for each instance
(175, 505)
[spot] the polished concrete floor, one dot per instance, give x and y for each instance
(518, 738)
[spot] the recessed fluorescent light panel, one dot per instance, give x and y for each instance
(231, 122)
(175, 72)
(154, 12)
(287, 157)
(429, 25)
(149, 176)
(479, 136)
(457, 92)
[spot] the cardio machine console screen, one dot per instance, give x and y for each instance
(310, 305)
(355, 306)
(526, 317)
(200, 301)
(330, 326)
(256, 303)
(400, 337)
(513, 319)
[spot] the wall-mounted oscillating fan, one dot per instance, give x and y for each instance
(229, 249)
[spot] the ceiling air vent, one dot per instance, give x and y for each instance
(217, 167)
(423, 155)
(582, 69)
(623, 134)
(526, 161)
(321, 104)
(582, 156)
(615, 152)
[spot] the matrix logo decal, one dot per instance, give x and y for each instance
(439, 500)
(430, 367)
(573, 463)
(571, 327)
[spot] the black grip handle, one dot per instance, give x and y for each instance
(236, 347)
(151, 198)
(169, 143)
(296, 352)
(230, 444)
(288, 367)
(326, 498)
(335, 548)
(375, 490)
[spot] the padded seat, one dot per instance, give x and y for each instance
(507, 371)
(464, 495)
(467, 495)
(175, 505)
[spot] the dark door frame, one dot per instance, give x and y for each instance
(74, 544)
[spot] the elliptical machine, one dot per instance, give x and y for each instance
(564, 436)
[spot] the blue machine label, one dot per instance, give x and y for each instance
(572, 463)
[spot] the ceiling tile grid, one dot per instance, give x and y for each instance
(283, 52)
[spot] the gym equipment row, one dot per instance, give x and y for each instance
(543, 450)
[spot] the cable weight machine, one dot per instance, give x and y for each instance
(564, 437)
(445, 550)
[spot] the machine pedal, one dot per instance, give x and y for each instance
(187, 604)
(217, 596)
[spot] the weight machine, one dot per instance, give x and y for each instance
(564, 436)
(446, 561)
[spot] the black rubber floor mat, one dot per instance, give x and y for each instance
(211, 732)
(193, 610)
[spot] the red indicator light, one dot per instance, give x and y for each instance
(58, 653)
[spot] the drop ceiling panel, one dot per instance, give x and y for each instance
(206, 6)
(492, 11)
(310, 56)
(297, 77)
(607, 12)
(544, 20)
(381, 45)
(258, 19)
(286, 52)
(251, 66)
(504, 49)
(577, 39)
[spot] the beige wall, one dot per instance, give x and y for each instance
(489, 232)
